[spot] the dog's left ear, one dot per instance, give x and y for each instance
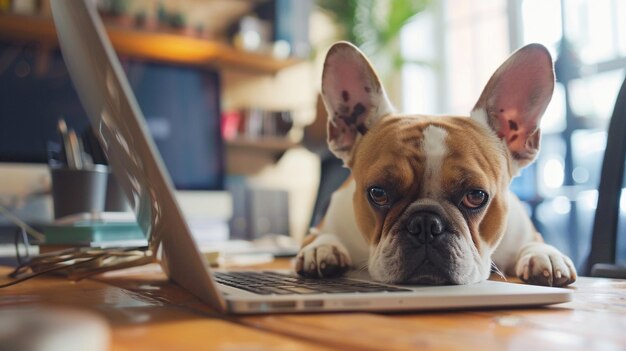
(354, 98)
(514, 100)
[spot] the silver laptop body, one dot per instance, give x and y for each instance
(121, 129)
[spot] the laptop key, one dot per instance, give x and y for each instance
(280, 284)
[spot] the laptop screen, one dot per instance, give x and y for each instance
(116, 119)
(121, 129)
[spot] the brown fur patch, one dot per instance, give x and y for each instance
(484, 162)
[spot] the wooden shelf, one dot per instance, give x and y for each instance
(154, 46)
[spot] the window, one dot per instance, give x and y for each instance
(464, 42)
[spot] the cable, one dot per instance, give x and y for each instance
(18, 222)
(72, 260)
(110, 259)
(36, 274)
(21, 232)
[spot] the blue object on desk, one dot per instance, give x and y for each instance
(91, 233)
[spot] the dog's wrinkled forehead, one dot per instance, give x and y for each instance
(430, 150)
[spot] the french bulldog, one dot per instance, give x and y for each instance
(428, 199)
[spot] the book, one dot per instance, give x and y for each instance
(89, 233)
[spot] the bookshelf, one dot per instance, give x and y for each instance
(155, 46)
(173, 49)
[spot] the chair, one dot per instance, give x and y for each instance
(602, 257)
(332, 172)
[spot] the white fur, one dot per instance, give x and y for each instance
(480, 115)
(519, 230)
(519, 245)
(341, 222)
(338, 230)
(435, 149)
(322, 252)
(377, 267)
(537, 258)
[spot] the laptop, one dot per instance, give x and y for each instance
(121, 129)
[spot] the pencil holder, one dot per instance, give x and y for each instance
(78, 190)
(116, 200)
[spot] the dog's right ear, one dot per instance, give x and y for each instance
(354, 98)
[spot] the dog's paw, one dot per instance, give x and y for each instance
(542, 264)
(323, 260)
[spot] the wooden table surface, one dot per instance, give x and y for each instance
(146, 312)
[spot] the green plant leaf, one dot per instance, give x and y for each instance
(375, 25)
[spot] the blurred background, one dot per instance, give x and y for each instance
(229, 89)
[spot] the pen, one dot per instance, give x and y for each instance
(75, 150)
(86, 159)
(66, 146)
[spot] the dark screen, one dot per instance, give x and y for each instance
(180, 104)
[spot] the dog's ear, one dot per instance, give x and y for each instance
(514, 100)
(354, 98)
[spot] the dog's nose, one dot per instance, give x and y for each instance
(425, 226)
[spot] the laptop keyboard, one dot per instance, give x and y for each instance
(273, 283)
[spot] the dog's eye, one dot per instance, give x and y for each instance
(475, 199)
(378, 196)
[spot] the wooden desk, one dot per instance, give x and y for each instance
(148, 313)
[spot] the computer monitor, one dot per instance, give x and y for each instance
(181, 105)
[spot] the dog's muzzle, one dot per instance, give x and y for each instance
(427, 241)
